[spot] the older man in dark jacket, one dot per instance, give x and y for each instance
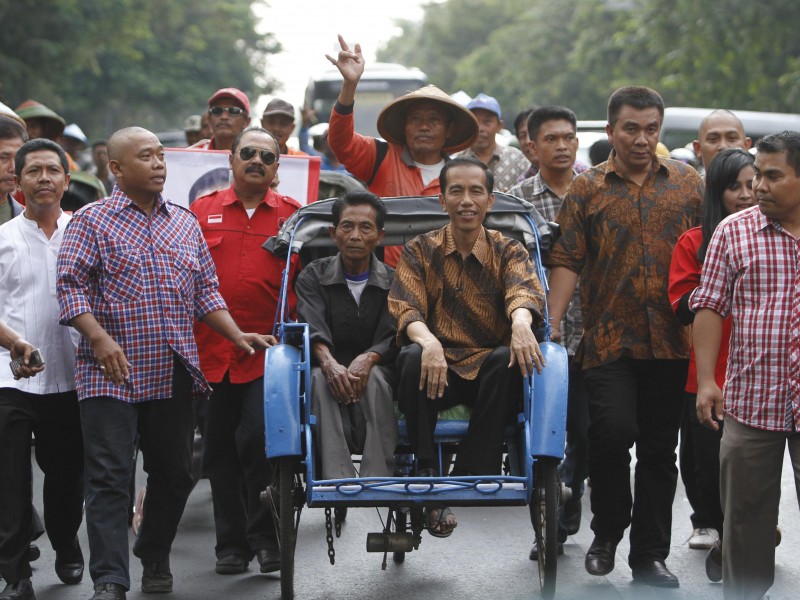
(343, 299)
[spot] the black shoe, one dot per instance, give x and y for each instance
(269, 559)
(600, 557)
(156, 578)
(34, 553)
(571, 517)
(22, 590)
(108, 591)
(232, 564)
(534, 554)
(654, 573)
(69, 564)
(714, 562)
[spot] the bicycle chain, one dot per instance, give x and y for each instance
(329, 535)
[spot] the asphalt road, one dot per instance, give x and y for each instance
(486, 557)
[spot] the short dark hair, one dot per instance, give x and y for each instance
(238, 138)
(99, 143)
(36, 145)
(599, 151)
(636, 96)
(521, 120)
(10, 129)
(466, 161)
(723, 171)
(359, 197)
(549, 113)
(785, 141)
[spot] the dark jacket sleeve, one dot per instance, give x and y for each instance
(311, 305)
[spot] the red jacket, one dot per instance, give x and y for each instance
(684, 276)
(397, 175)
(249, 277)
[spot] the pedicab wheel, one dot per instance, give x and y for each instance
(545, 498)
(288, 519)
(400, 526)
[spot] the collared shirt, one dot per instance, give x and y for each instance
(336, 320)
(29, 306)
(752, 272)
(144, 278)
(249, 277)
(466, 303)
(618, 236)
(536, 191)
(507, 164)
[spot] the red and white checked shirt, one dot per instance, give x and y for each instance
(144, 279)
(752, 271)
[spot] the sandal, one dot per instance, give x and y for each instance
(438, 526)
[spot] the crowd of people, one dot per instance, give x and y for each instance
(675, 295)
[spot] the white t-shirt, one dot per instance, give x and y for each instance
(430, 172)
(357, 283)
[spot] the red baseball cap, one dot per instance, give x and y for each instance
(238, 95)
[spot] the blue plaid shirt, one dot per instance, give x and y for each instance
(144, 278)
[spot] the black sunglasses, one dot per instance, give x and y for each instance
(248, 152)
(232, 110)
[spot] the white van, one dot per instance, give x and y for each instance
(681, 124)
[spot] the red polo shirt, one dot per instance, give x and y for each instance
(249, 277)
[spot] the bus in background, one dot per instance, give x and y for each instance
(380, 84)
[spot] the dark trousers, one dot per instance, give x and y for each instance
(635, 402)
(166, 432)
(492, 395)
(55, 421)
(703, 478)
(235, 462)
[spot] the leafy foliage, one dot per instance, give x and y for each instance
(717, 53)
(110, 63)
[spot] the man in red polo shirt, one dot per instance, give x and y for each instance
(235, 222)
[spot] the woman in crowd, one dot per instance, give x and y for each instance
(729, 189)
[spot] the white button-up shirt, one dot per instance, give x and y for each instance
(28, 304)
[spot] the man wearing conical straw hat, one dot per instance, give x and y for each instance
(420, 129)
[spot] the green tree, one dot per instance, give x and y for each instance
(107, 64)
(723, 53)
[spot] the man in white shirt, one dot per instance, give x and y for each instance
(45, 405)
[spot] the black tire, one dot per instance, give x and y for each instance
(400, 526)
(288, 515)
(545, 499)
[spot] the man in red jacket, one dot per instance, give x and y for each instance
(235, 222)
(421, 130)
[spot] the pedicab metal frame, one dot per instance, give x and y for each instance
(535, 443)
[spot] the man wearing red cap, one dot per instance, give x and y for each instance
(228, 115)
(421, 129)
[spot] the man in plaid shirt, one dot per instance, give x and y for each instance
(751, 272)
(133, 273)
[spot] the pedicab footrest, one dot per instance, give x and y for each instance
(448, 431)
(500, 489)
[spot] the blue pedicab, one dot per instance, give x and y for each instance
(535, 442)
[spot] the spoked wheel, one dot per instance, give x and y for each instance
(288, 506)
(400, 526)
(545, 498)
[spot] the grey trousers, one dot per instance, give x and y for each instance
(750, 487)
(340, 429)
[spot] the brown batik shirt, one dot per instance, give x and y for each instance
(466, 303)
(619, 236)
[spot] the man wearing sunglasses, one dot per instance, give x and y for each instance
(228, 115)
(235, 222)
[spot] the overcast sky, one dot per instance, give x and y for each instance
(307, 31)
